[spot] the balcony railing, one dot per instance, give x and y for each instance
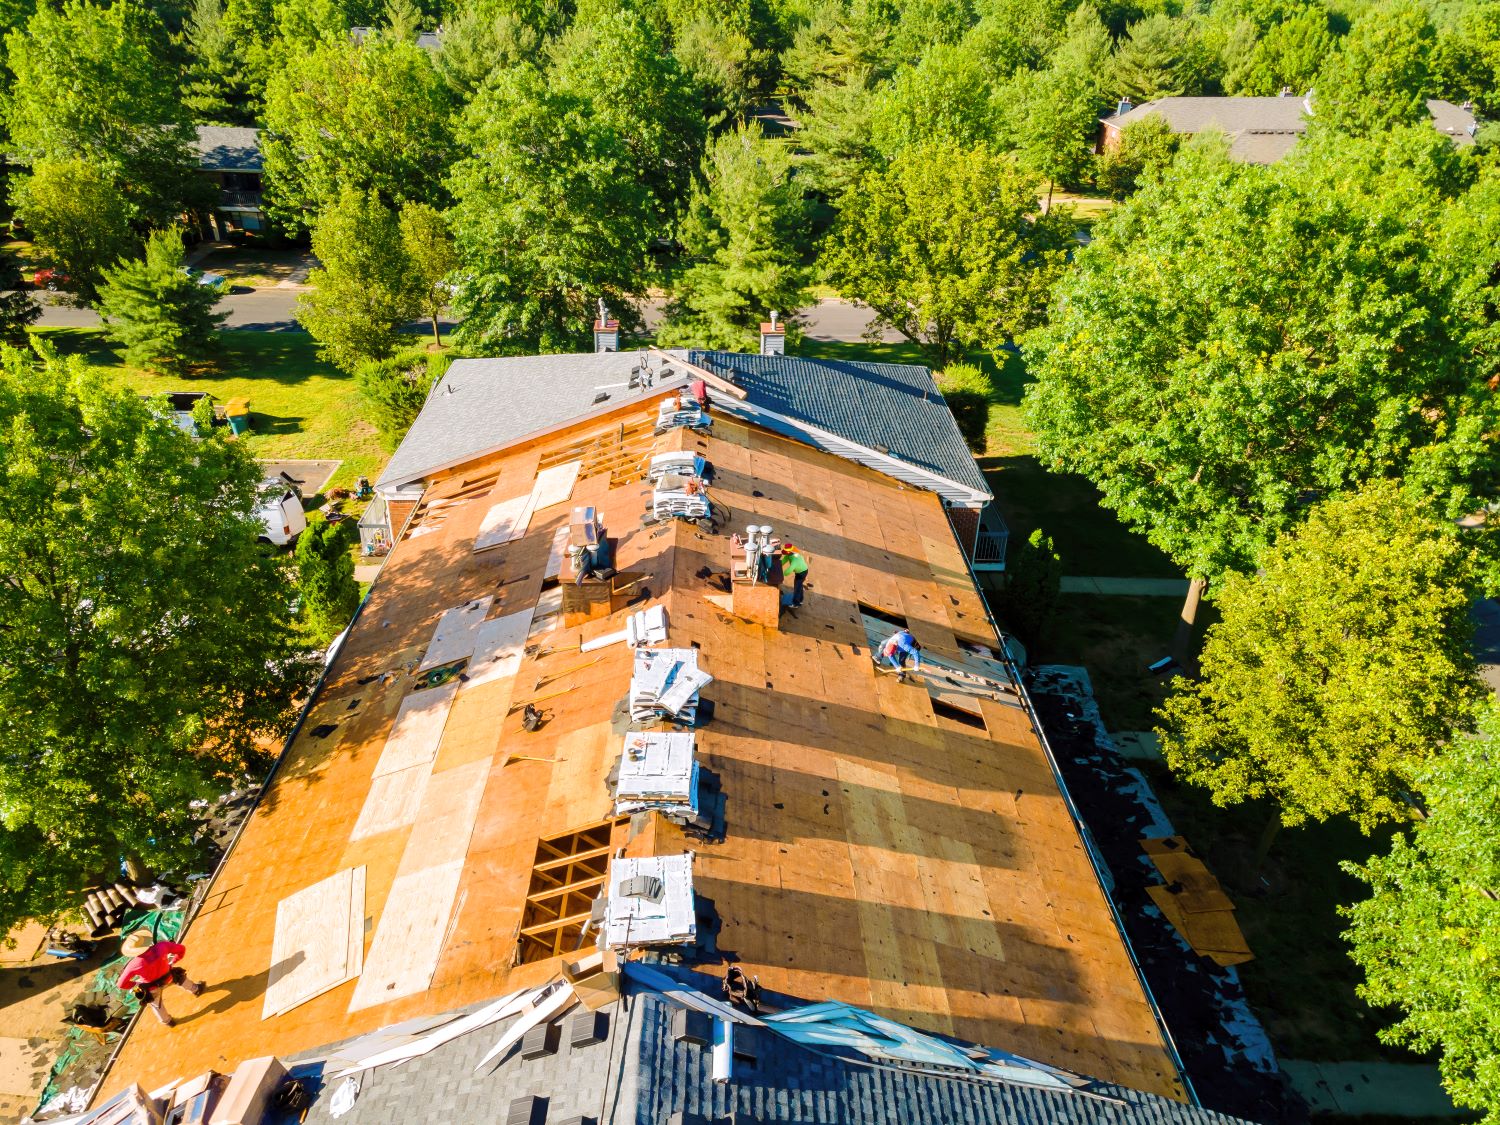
(241, 200)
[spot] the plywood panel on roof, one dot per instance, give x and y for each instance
(319, 941)
(456, 633)
(873, 853)
(419, 726)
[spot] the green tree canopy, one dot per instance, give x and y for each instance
(17, 309)
(364, 290)
(549, 216)
(484, 37)
(95, 84)
(431, 257)
(746, 231)
(1145, 150)
(1238, 339)
(946, 246)
(1427, 936)
(1337, 672)
(325, 579)
(148, 655)
(1289, 54)
(1163, 57)
(946, 96)
(1033, 588)
(373, 116)
(836, 133)
(78, 219)
(162, 315)
(1382, 73)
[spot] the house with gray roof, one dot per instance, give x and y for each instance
(648, 1057)
(230, 156)
(1259, 130)
(889, 417)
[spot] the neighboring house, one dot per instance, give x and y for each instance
(889, 417)
(476, 811)
(230, 156)
(1260, 130)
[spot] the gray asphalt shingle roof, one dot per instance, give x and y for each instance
(228, 148)
(482, 405)
(486, 404)
(890, 407)
(639, 1074)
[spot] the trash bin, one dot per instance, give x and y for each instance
(237, 414)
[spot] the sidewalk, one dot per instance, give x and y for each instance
(1136, 587)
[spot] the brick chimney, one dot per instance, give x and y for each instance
(606, 330)
(772, 337)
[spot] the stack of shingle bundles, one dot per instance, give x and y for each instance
(666, 682)
(678, 503)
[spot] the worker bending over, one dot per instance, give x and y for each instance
(153, 966)
(900, 647)
(794, 562)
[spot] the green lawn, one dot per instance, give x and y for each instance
(300, 406)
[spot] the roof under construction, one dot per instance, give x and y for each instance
(901, 846)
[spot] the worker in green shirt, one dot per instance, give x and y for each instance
(793, 562)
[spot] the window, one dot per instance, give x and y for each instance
(567, 875)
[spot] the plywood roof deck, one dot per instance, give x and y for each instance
(875, 852)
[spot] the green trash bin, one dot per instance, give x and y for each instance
(237, 414)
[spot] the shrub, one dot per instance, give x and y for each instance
(394, 391)
(968, 391)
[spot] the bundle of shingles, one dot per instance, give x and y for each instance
(680, 497)
(666, 682)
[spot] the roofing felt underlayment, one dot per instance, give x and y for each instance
(877, 851)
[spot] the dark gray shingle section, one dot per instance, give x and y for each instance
(788, 1083)
(228, 148)
(889, 407)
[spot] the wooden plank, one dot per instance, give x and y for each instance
(446, 818)
(409, 936)
(456, 633)
(319, 941)
(554, 485)
(505, 521)
(498, 648)
(392, 801)
(418, 728)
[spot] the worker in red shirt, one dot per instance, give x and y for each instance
(153, 966)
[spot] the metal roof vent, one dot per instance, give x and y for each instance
(540, 1041)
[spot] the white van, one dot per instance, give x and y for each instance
(281, 512)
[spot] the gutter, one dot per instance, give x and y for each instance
(1102, 874)
(197, 900)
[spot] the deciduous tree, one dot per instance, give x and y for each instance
(95, 84)
(431, 258)
(78, 219)
(162, 315)
(1033, 588)
(746, 231)
(1382, 72)
(362, 293)
(372, 116)
(1427, 936)
(946, 246)
(1146, 149)
(1337, 671)
(550, 216)
(148, 655)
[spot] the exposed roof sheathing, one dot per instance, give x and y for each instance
(875, 853)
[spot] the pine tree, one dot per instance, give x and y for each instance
(162, 314)
(325, 579)
(17, 309)
(746, 230)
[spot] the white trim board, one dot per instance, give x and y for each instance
(319, 941)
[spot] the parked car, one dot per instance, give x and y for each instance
(215, 281)
(281, 512)
(50, 279)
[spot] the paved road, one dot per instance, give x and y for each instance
(270, 310)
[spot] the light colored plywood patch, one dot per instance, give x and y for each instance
(409, 938)
(418, 729)
(392, 802)
(498, 647)
(505, 521)
(446, 819)
(554, 485)
(456, 633)
(319, 941)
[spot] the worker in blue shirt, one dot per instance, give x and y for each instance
(900, 647)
